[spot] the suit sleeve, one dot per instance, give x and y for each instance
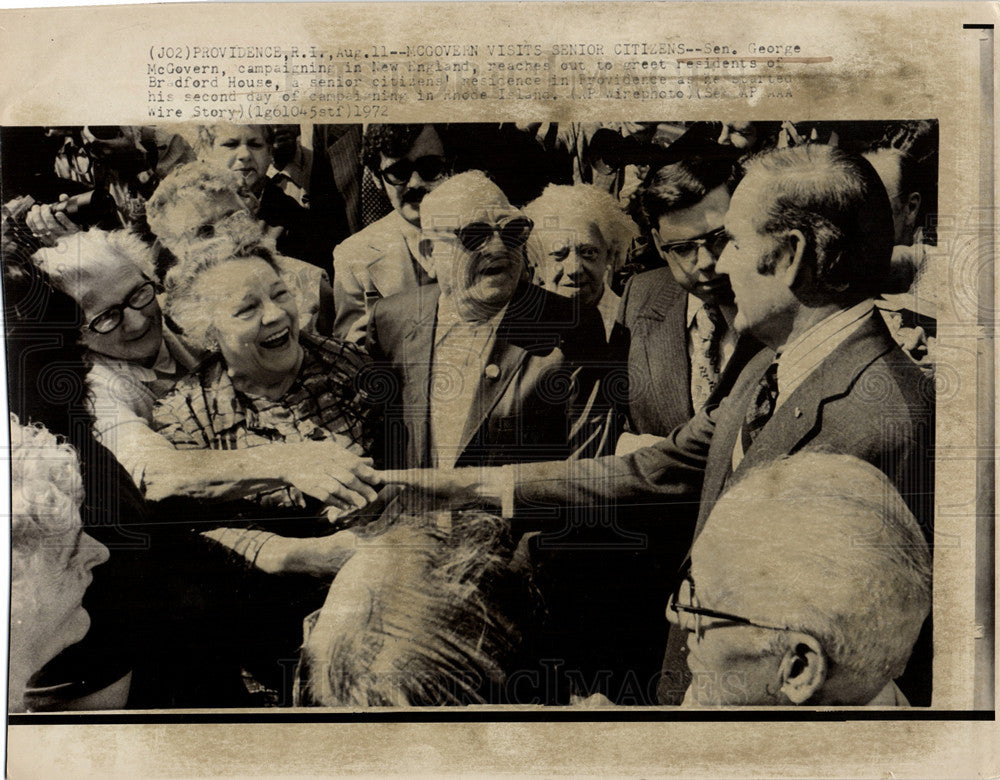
(351, 317)
(673, 470)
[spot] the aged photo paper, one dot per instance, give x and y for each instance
(831, 67)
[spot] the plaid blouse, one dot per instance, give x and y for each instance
(205, 410)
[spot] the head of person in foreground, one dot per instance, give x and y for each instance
(808, 585)
(51, 556)
(422, 616)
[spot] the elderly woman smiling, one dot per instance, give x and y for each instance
(265, 382)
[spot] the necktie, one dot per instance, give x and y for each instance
(709, 327)
(761, 408)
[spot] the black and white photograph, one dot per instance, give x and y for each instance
(535, 420)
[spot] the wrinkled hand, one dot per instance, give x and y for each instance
(49, 223)
(328, 472)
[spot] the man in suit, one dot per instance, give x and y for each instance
(488, 368)
(384, 259)
(810, 242)
(675, 323)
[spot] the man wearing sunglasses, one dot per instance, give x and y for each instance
(810, 243)
(409, 161)
(815, 598)
(489, 368)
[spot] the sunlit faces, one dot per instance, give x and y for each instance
(481, 282)
(254, 320)
(243, 149)
(764, 301)
(572, 260)
(140, 333)
(47, 613)
(688, 241)
(406, 196)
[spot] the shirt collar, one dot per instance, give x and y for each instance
(411, 235)
(695, 304)
(797, 359)
(163, 365)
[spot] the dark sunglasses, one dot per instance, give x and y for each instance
(513, 233)
(430, 168)
(112, 317)
(715, 242)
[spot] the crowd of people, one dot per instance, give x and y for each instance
(460, 414)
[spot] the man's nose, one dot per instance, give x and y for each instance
(573, 264)
(494, 245)
(705, 261)
(133, 320)
(243, 152)
(95, 553)
(415, 180)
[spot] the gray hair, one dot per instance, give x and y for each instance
(77, 259)
(590, 204)
(826, 546)
(46, 489)
(445, 617)
(184, 302)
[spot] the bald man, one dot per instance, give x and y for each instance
(808, 585)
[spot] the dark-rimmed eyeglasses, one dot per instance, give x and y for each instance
(513, 233)
(689, 614)
(431, 168)
(715, 241)
(112, 317)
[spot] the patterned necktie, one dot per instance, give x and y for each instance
(762, 407)
(709, 327)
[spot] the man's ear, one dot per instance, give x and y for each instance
(793, 251)
(912, 208)
(803, 668)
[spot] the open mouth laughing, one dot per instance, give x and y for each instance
(278, 340)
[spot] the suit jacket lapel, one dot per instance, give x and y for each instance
(800, 412)
(392, 271)
(507, 356)
(665, 347)
(731, 413)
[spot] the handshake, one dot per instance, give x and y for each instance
(352, 489)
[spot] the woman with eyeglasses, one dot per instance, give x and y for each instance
(134, 361)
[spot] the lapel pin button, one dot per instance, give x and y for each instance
(798, 412)
(492, 371)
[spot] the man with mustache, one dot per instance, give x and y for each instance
(383, 259)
